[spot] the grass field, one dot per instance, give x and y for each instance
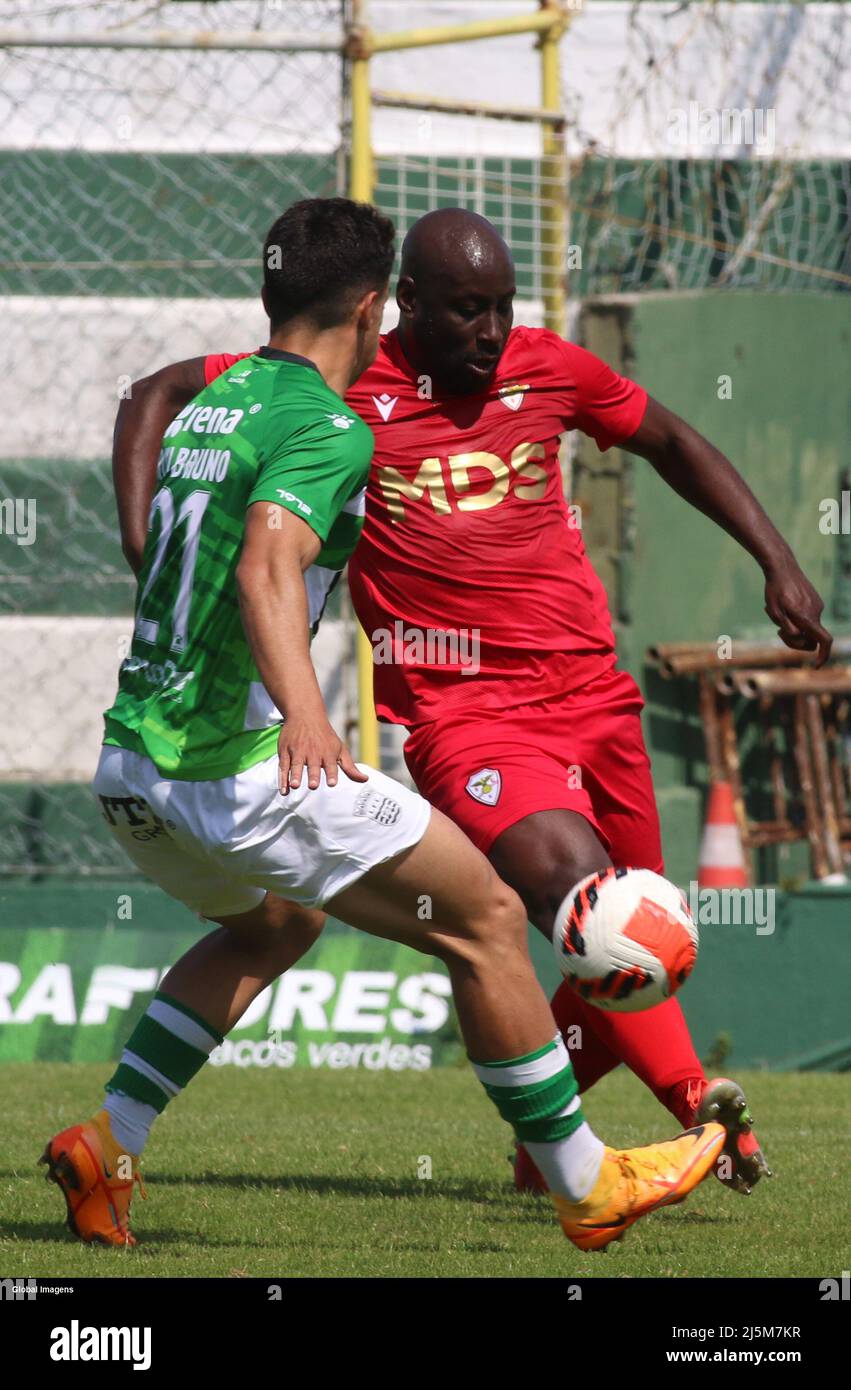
(307, 1174)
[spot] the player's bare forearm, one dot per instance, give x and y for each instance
(703, 476)
(273, 604)
(139, 426)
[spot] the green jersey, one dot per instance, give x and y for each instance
(268, 430)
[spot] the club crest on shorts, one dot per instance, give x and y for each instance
(377, 807)
(485, 786)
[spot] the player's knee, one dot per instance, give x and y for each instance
(278, 926)
(286, 916)
(303, 930)
(560, 864)
(505, 919)
(561, 880)
(493, 926)
(300, 928)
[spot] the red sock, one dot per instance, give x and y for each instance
(654, 1043)
(684, 1098)
(590, 1055)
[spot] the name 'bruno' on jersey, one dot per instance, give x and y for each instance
(269, 430)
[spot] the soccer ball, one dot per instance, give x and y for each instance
(625, 939)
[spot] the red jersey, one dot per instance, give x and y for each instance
(467, 529)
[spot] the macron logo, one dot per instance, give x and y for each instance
(76, 1343)
(384, 405)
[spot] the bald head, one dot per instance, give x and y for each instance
(455, 296)
(453, 242)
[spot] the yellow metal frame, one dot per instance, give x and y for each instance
(361, 43)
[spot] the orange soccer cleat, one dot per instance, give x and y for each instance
(633, 1182)
(97, 1180)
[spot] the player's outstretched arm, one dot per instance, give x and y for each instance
(704, 477)
(278, 548)
(139, 427)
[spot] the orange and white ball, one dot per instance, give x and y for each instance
(625, 939)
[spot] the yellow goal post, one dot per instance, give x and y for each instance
(535, 192)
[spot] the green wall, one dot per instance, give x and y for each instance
(671, 574)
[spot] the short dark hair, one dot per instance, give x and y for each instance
(321, 256)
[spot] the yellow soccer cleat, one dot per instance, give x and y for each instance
(633, 1182)
(97, 1179)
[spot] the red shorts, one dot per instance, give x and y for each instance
(583, 752)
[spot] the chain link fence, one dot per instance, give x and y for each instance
(137, 185)
(708, 147)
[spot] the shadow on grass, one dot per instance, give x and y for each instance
(687, 1216)
(325, 1184)
(531, 1212)
(339, 1185)
(56, 1233)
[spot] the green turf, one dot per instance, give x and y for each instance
(261, 1173)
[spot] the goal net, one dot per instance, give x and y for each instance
(137, 185)
(707, 147)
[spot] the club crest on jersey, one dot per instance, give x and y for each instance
(384, 405)
(485, 786)
(512, 395)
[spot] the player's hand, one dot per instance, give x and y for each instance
(794, 605)
(312, 744)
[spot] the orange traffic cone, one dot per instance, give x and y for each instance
(722, 861)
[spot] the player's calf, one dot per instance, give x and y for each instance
(222, 974)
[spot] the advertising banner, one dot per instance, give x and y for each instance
(353, 1002)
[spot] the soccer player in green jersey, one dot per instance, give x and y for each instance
(224, 782)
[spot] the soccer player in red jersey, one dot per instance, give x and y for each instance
(534, 747)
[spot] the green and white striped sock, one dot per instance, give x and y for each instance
(538, 1096)
(168, 1046)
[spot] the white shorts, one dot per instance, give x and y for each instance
(218, 846)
